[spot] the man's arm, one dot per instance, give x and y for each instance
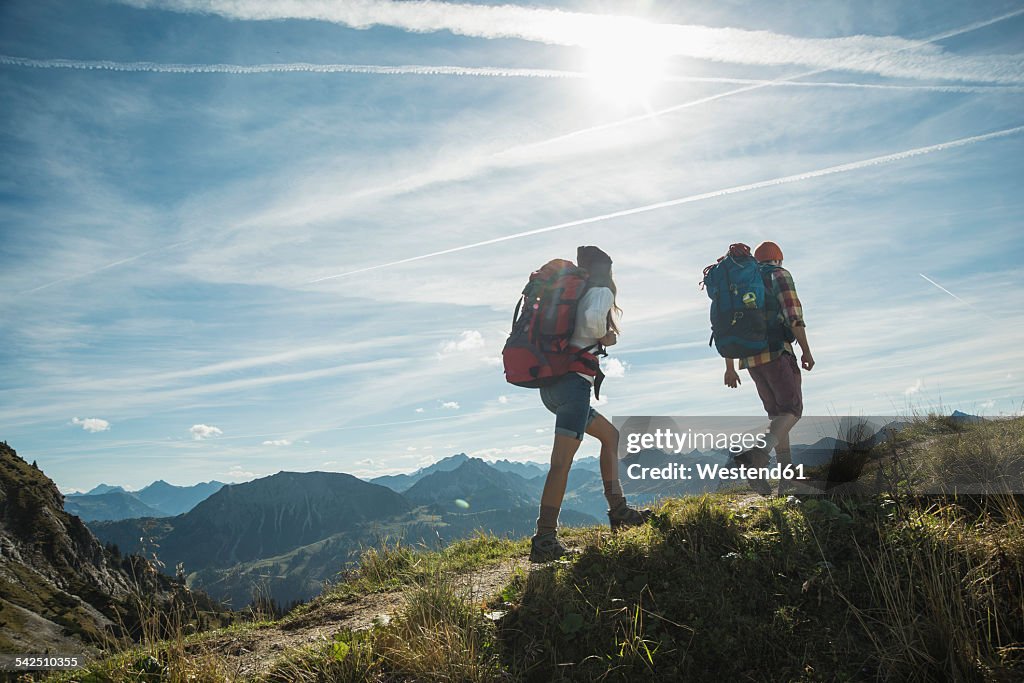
(794, 312)
(732, 378)
(806, 359)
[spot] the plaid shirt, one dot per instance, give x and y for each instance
(789, 309)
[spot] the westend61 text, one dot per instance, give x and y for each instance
(708, 471)
(675, 442)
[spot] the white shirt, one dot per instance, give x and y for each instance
(592, 319)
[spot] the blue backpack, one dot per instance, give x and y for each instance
(739, 308)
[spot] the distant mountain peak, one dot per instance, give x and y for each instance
(105, 488)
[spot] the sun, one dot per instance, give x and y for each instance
(627, 67)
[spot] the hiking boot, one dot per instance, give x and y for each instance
(546, 547)
(624, 517)
(755, 457)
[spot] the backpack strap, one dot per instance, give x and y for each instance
(777, 329)
(592, 364)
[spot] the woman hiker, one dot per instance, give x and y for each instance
(569, 400)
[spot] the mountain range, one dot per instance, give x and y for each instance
(159, 499)
(289, 532)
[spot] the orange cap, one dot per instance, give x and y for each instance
(768, 251)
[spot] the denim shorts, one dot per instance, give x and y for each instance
(569, 400)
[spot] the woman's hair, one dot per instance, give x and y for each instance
(600, 275)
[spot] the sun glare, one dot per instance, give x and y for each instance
(626, 68)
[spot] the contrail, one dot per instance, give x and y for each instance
(966, 89)
(765, 84)
(783, 180)
(943, 289)
(120, 262)
(298, 67)
(450, 70)
(955, 296)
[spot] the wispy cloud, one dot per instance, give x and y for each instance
(841, 58)
(91, 424)
(278, 442)
(885, 55)
(774, 182)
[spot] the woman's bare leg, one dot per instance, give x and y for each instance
(608, 435)
(562, 453)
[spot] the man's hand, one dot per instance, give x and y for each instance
(609, 339)
(732, 378)
(807, 360)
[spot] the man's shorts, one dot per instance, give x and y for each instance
(569, 400)
(778, 385)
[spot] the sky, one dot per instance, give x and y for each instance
(240, 238)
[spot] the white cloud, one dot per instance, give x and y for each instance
(468, 341)
(410, 448)
(515, 453)
(613, 367)
(885, 55)
(328, 463)
(236, 472)
(91, 424)
(503, 399)
(915, 388)
(419, 410)
(276, 442)
(200, 432)
(450, 405)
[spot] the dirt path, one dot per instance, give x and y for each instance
(251, 653)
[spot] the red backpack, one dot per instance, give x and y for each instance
(537, 352)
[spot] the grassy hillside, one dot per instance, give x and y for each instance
(907, 585)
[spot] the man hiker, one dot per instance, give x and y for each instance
(775, 372)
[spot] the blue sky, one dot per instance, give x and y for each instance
(188, 186)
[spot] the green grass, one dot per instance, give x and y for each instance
(393, 564)
(437, 636)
